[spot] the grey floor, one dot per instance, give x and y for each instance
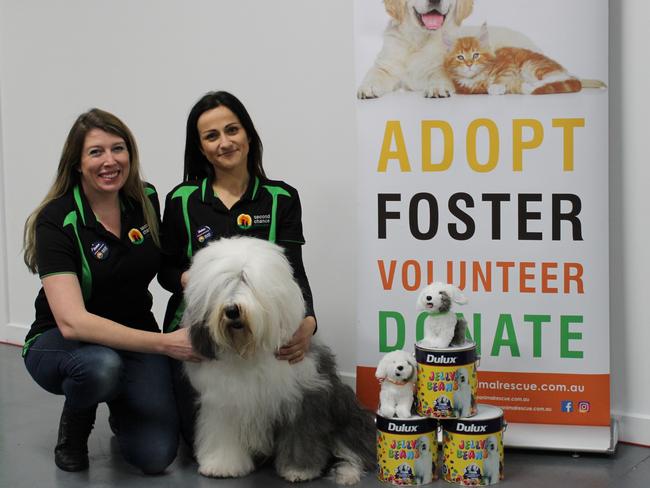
(29, 418)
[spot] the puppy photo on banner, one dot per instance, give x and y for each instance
(483, 164)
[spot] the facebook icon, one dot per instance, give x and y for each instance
(567, 406)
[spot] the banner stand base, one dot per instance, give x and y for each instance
(562, 437)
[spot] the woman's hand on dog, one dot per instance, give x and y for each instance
(177, 345)
(294, 351)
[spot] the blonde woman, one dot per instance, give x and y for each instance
(94, 243)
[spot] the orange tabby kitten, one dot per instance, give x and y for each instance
(475, 68)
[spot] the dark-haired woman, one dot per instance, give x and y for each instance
(226, 193)
(94, 243)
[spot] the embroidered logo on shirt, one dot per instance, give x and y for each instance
(204, 234)
(244, 221)
(99, 249)
(261, 220)
(136, 236)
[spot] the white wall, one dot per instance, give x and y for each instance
(291, 63)
(629, 210)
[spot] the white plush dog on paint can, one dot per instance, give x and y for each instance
(441, 328)
(397, 372)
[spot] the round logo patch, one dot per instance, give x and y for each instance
(136, 236)
(244, 221)
(203, 234)
(99, 249)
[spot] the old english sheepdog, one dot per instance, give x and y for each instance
(463, 395)
(242, 306)
(423, 466)
(441, 327)
(492, 464)
(397, 372)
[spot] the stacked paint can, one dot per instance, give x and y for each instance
(407, 450)
(472, 433)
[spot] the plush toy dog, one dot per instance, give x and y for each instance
(441, 328)
(397, 372)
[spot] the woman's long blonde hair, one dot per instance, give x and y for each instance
(67, 175)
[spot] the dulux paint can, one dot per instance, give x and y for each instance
(473, 448)
(447, 381)
(407, 450)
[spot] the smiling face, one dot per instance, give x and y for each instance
(224, 141)
(430, 14)
(105, 163)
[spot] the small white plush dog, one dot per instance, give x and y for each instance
(441, 328)
(463, 395)
(397, 372)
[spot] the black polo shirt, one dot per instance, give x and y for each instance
(114, 274)
(194, 216)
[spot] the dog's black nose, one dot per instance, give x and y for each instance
(232, 312)
(428, 297)
(400, 368)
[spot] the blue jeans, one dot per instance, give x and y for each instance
(137, 388)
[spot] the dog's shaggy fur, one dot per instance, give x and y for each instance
(397, 372)
(462, 397)
(441, 328)
(491, 464)
(242, 305)
(423, 468)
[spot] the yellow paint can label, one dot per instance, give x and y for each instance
(407, 450)
(473, 448)
(447, 381)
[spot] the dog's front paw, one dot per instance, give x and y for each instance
(439, 89)
(433, 343)
(376, 84)
(346, 474)
(219, 467)
(387, 412)
(295, 475)
(404, 412)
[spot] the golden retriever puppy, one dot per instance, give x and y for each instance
(413, 51)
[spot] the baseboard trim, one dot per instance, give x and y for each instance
(349, 379)
(13, 333)
(633, 428)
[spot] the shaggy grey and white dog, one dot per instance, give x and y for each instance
(242, 305)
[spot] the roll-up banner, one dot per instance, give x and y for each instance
(483, 162)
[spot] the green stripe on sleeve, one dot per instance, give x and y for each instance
(275, 192)
(86, 276)
(184, 193)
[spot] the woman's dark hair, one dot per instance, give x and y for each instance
(196, 165)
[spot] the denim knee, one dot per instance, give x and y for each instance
(95, 376)
(153, 458)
